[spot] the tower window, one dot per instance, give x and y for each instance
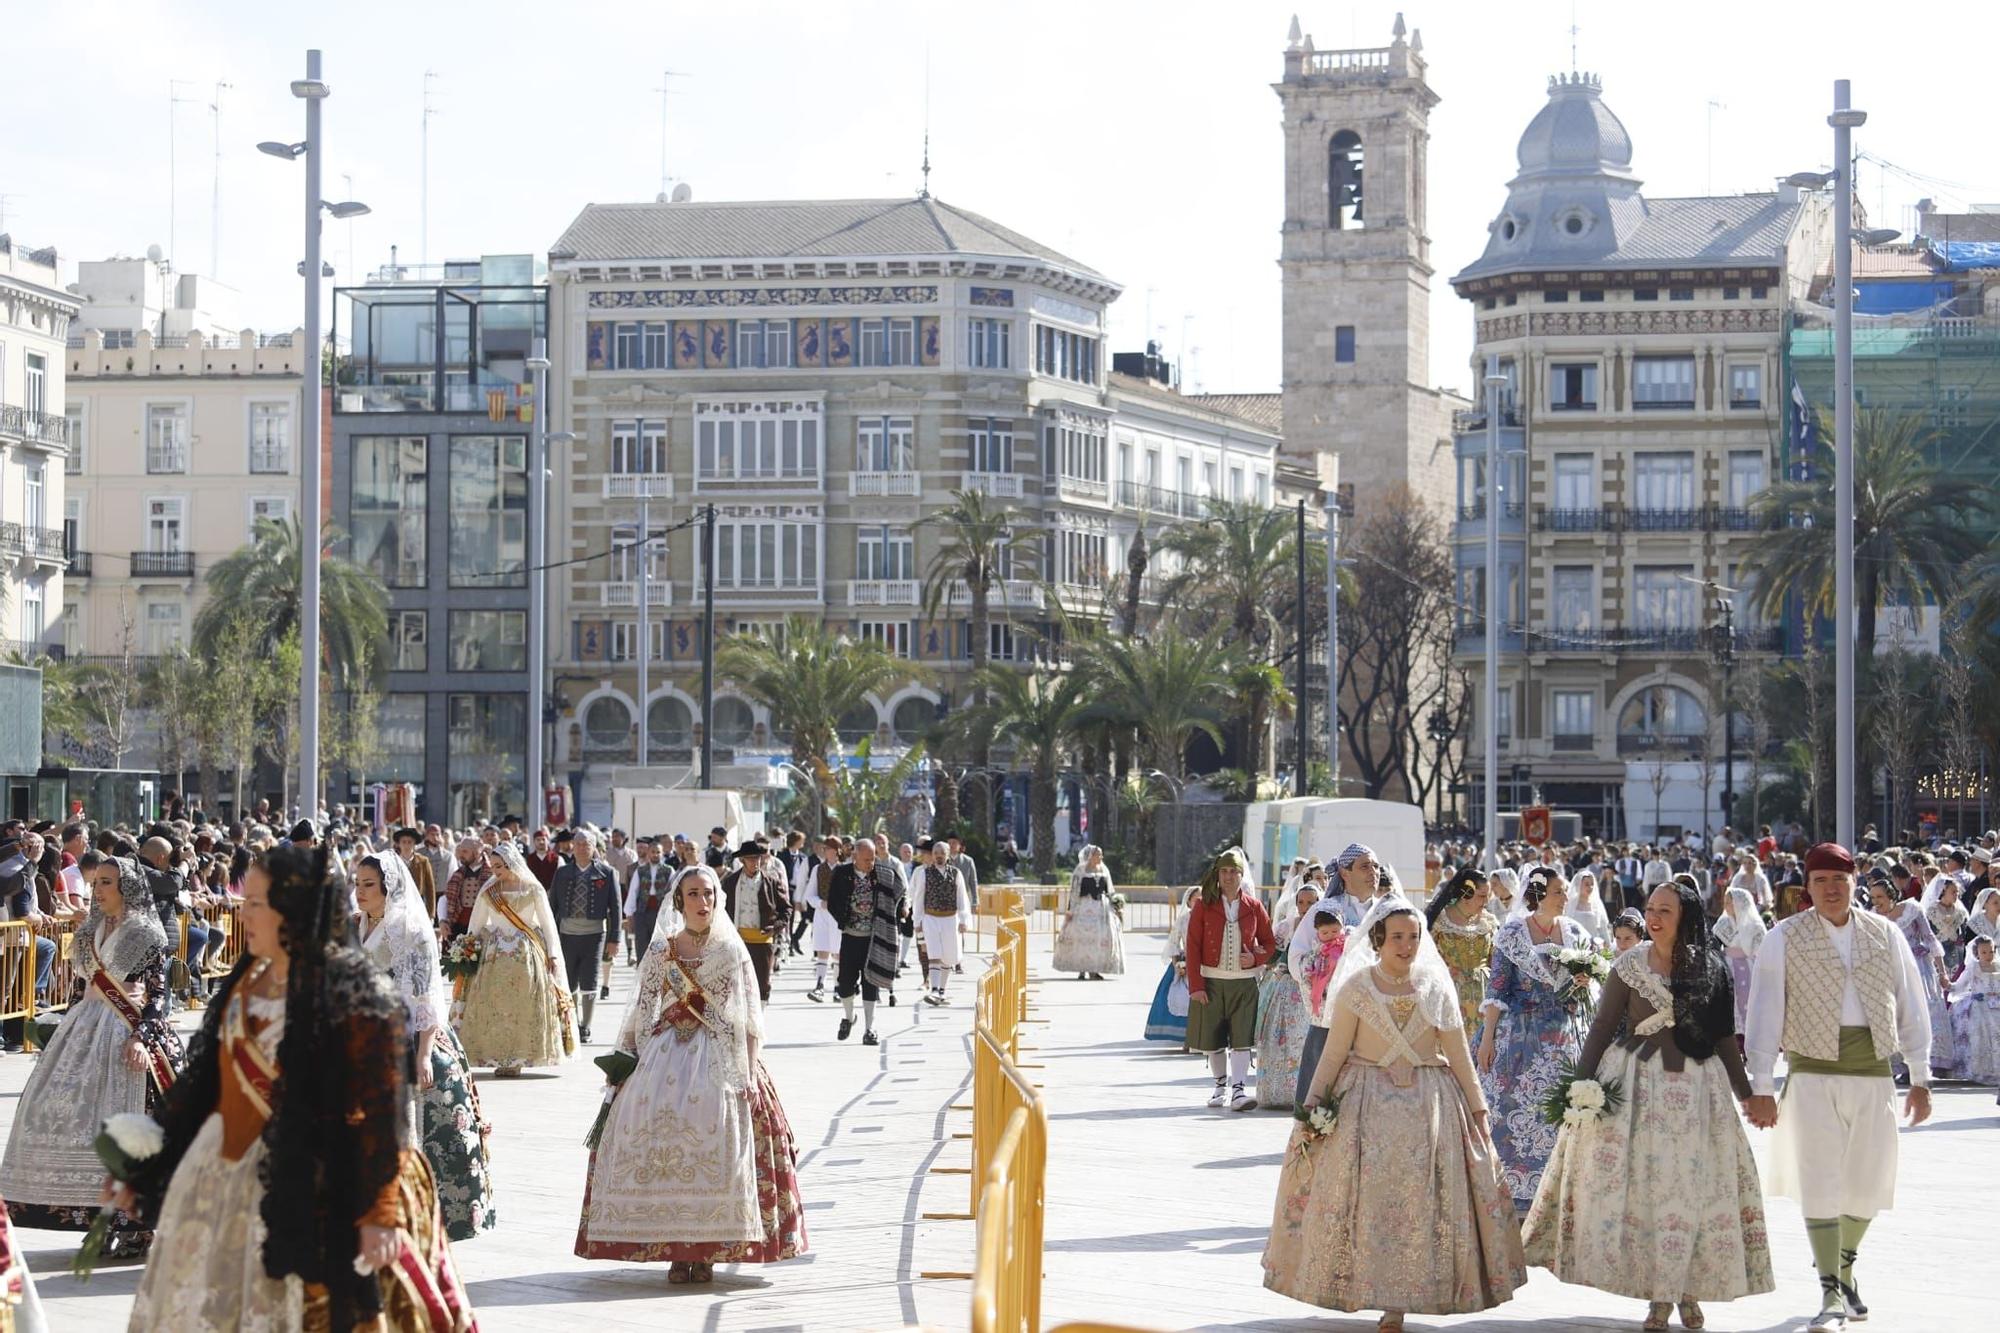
(1343, 180)
(1343, 342)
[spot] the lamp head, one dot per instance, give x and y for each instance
(311, 89)
(537, 363)
(288, 151)
(1811, 180)
(347, 208)
(1878, 236)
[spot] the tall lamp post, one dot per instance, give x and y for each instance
(1495, 381)
(538, 588)
(1441, 729)
(1721, 603)
(1844, 120)
(312, 90)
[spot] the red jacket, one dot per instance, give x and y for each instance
(1204, 937)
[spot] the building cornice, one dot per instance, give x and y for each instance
(1003, 268)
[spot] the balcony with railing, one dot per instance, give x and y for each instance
(870, 485)
(1014, 594)
(163, 564)
(79, 564)
(997, 485)
(167, 455)
(1471, 420)
(639, 486)
(659, 592)
(27, 426)
(1575, 520)
(748, 472)
(882, 592)
(442, 346)
(1564, 742)
(1084, 489)
(42, 544)
(1645, 640)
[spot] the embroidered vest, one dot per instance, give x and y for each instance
(941, 891)
(1815, 981)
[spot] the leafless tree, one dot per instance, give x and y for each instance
(1659, 778)
(1958, 736)
(1897, 727)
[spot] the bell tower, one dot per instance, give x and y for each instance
(1356, 263)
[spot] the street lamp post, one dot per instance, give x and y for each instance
(1491, 691)
(312, 90)
(538, 606)
(1725, 657)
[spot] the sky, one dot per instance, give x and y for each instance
(1140, 138)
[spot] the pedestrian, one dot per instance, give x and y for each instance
(799, 863)
(826, 931)
(944, 911)
(1282, 1018)
(407, 841)
(1817, 973)
(1975, 1014)
(1628, 932)
(1948, 918)
(1657, 1198)
(1910, 918)
(1229, 940)
(755, 899)
(968, 877)
(1092, 942)
(518, 1010)
(1504, 886)
(716, 854)
(1984, 919)
(1356, 877)
(1463, 934)
(1399, 1205)
(461, 890)
(1740, 930)
(544, 857)
(1587, 911)
(1167, 1017)
(586, 900)
(695, 1164)
(864, 900)
(647, 892)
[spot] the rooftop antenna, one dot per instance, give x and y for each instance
(424, 188)
(665, 91)
(1713, 107)
(174, 100)
(215, 197)
(1572, 38)
(925, 193)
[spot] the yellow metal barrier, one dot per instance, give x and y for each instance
(19, 963)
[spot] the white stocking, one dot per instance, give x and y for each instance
(1239, 1066)
(1216, 1063)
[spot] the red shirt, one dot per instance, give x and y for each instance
(1204, 938)
(1767, 847)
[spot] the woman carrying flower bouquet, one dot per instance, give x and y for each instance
(1655, 1195)
(1398, 1205)
(517, 1005)
(1535, 1012)
(445, 1118)
(1091, 944)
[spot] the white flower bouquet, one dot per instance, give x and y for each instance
(1316, 1121)
(1577, 1101)
(125, 1142)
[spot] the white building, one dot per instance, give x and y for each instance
(35, 315)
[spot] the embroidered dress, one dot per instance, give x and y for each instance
(1092, 939)
(696, 1163)
(1924, 947)
(1975, 1017)
(1659, 1199)
(1166, 1018)
(52, 1177)
(1468, 952)
(1400, 1206)
(1950, 922)
(516, 1004)
(1534, 1035)
(1282, 1022)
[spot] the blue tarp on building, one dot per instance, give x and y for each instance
(1961, 256)
(1893, 298)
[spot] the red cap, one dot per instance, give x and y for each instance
(1830, 856)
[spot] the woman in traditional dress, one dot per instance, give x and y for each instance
(1505, 887)
(113, 1053)
(1282, 1019)
(1948, 919)
(446, 1123)
(1586, 908)
(1463, 933)
(1400, 1207)
(1975, 1014)
(1909, 917)
(1533, 1012)
(1628, 932)
(1659, 1198)
(288, 1194)
(695, 1165)
(1984, 918)
(1739, 930)
(517, 1005)
(1091, 944)
(1163, 1023)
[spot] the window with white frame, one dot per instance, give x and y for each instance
(1746, 385)
(1472, 596)
(653, 346)
(1080, 558)
(1573, 386)
(874, 342)
(270, 437)
(626, 553)
(1504, 714)
(1236, 484)
(763, 343)
(625, 640)
(166, 525)
(166, 437)
(902, 342)
(989, 343)
(34, 489)
(627, 349)
(1065, 355)
(894, 636)
(991, 441)
(1663, 481)
(1003, 642)
(33, 615)
(1663, 597)
(73, 464)
(1662, 382)
(1184, 474)
(884, 554)
(1208, 483)
(164, 630)
(1746, 476)
(72, 627)
(776, 439)
(1572, 598)
(770, 631)
(1080, 451)
(766, 553)
(1575, 712)
(885, 444)
(37, 387)
(639, 448)
(277, 508)
(1263, 491)
(1575, 482)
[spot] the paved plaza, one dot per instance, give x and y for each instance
(1157, 1207)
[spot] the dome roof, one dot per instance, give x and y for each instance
(1575, 134)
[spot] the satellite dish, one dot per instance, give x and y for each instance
(660, 198)
(683, 193)
(155, 253)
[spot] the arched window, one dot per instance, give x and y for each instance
(1343, 180)
(857, 723)
(914, 716)
(669, 725)
(733, 722)
(607, 724)
(1661, 717)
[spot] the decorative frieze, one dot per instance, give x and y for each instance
(683, 297)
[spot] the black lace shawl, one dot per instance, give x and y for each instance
(337, 1129)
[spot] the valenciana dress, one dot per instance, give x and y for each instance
(517, 1007)
(1923, 941)
(1534, 1035)
(1468, 952)
(696, 1162)
(1282, 1022)
(1166, 1020)
(446, 1119)
(52, 1177)
(1401, 1205)
(1659, 1199)
(1091, 940)
(1975, 1018)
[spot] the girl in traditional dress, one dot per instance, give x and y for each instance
(1659, 1199)
(1464, 933)
(1975, 1014)
(517, 1005)
(1282, 1019)
(1400, 1206)
(1948, 918)
(1166, 1020)
(1532, 1013)
(446, 1122)
(113, 1053)
(1505, 887)
(1739, 930)
(1909, 917)
(1628, 932)
(1984, 919)
(1091, 944)
(695, 1166)
(288, 1194)
(1586, 908)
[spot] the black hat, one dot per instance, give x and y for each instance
(505, 820)
(303, 831)
(415, 834)
(565, 835)
(753, 848)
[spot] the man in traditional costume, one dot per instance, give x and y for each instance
(585, 898)
(865, 899)
(645, 893)
(1837, 990)
(1228, 942)
(945, 911)
(756, 899)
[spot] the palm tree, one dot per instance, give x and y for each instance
(1910, 538)
(1040, 712)
(809, 678)
(1167, 687)
(264, 577)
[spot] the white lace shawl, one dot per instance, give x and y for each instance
(1533, 959)
(734, 1017)
(402, 945)
(529, 902)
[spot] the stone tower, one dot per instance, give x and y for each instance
(1357, 272)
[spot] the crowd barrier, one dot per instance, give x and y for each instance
(18, 965)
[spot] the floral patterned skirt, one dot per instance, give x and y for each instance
(512, 1016)
(1282, 1023)
(1399, 1207)
(1530, 1049)
(1091, 941)
(454, 1139)
(1660, 1199)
